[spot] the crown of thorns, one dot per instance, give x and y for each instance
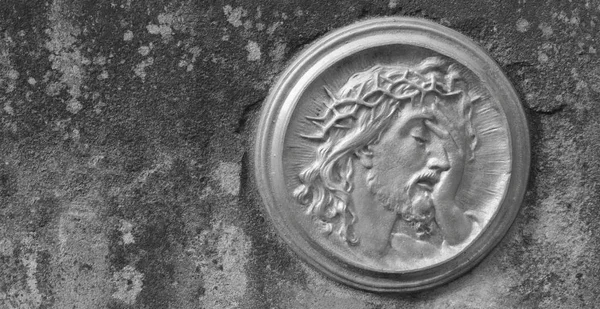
(386, 86)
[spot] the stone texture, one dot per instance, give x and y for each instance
(126, 135)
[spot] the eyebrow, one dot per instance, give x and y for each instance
(417, 116)
(437, 130)
(413, 120)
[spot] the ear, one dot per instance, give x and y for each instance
(365, 156)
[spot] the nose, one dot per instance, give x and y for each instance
(437, 158)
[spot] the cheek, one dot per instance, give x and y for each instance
(406, 154)
(403, 169)
(399, 163)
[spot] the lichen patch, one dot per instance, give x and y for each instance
(128, 35)
(140, 68)
(6, 247)
(163, 28)
(125, 229)
(253, 51)
(278, 51)
(225, 277)
(66, 58)
(128, 284)
(8, 75)
(234, 16)
(522, 25)
(228, 175)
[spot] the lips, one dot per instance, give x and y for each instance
(425, 185)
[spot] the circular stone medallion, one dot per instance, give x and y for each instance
(392, 154)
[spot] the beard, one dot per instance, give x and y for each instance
(412, 204)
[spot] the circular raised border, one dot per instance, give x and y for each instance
(281, 102)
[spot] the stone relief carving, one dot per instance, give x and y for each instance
(392, 154)
(393, 144)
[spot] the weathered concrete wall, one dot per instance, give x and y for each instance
(126, 136)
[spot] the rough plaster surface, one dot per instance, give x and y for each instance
(126, 134)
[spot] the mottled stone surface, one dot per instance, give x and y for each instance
(126, 136)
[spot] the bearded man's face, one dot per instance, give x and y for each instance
(406, 165)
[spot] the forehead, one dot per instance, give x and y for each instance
(411, 115)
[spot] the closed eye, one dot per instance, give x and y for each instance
(419, 139)
(420, 134)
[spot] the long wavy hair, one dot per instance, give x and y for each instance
(357, 116)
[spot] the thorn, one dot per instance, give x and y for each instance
(329, 107)
(311, 137)
(376, 77)
(329, 93)
(360, 91)
(405, 76)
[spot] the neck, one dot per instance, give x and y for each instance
(374, 223)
